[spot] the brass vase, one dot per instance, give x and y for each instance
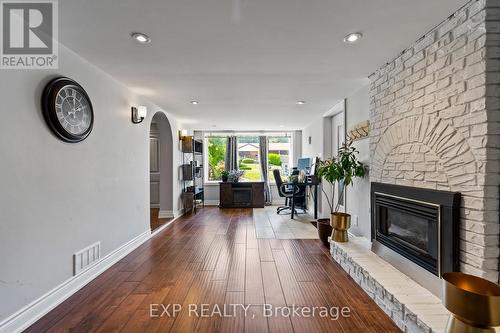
(474, 304)
(340, 223)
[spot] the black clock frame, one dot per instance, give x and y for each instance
(49, 109)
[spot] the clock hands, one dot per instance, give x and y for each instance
(75, 110)
(81, 108)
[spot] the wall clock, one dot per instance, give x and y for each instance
(67, 109)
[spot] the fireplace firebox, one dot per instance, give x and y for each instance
(419, 224)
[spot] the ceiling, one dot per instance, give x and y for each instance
(246, 61)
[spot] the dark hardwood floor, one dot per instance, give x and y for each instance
(156, 222)
(214, 258)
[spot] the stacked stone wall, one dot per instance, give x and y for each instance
(435, 123)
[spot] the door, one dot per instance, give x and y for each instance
(154, 166)
(338, 139)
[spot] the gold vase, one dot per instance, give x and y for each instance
(340, 223)
(474, 304)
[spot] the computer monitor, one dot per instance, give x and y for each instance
(304, 164)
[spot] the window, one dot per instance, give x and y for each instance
(248, 157)
(216, 154)
(280, 155)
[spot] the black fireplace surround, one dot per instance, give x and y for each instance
(420, 224)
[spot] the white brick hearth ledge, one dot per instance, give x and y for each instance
(412, 307)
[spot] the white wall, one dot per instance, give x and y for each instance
(314, 130)
(358, 195)
(212, 193)
(57, 198)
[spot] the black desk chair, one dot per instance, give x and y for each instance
(283, 191)
(291, 192)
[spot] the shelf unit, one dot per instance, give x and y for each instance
(193, 193)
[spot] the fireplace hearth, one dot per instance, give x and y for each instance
(419, 224)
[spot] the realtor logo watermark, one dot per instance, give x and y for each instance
(241, 310)
(29, 34)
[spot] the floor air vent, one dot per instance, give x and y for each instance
(86, 257)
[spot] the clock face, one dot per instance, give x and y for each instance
(67, 110)
(73, 110)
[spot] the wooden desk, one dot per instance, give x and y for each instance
(241, 195)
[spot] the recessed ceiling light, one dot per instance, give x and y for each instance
(194, 102)
(282, 126)
(141, 38)
(352, 38)
(300, 102)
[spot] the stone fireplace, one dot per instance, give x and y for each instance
(435, 125)
(434, 169)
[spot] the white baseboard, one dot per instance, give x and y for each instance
(29, 314)
(165, 214)
(179, 213)
(153, 233)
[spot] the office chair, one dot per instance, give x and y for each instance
(290, 192)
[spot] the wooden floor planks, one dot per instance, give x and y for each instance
(215, 258)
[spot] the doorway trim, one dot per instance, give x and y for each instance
(328, 132)
(165, 189)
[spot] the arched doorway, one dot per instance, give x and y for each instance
(161, 171)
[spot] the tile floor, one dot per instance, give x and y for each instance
(268, 224)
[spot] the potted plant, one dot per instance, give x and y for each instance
(342, 170)
(324, 230)
(293, 179)
(225, 175)
(234, 175)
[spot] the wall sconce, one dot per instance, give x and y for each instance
(182, 133)
(138, 114)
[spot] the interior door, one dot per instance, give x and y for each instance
(154, 167)
(338, 139)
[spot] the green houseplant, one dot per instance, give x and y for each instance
(225, 175)
(340, 170)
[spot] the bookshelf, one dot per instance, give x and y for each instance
(193, 193)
